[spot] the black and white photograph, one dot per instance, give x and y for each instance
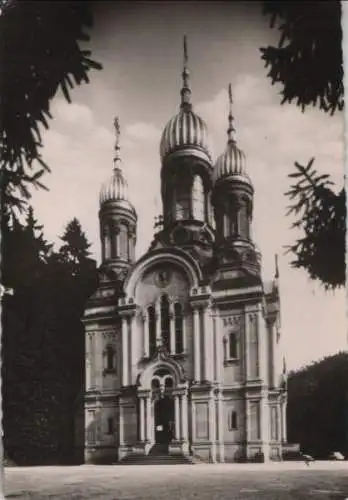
(173, 243)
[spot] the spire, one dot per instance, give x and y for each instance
(185, 90)
(117, 158)
(231, 130)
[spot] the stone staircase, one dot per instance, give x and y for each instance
(158, 455)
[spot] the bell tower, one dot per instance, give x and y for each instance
(233, 195)
(117, 217)
(186, 176)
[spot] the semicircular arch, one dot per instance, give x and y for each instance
(175, 256)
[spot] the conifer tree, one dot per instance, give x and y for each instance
(307, 64)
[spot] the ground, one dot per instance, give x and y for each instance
(279, 481)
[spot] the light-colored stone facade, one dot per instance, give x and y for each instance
(225, 408)
(183, 347)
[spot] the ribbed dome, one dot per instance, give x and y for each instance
(186, 130)
(115, 189)
(231, 163)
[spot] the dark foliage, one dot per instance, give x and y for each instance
(43, 347)
(321, 216)
(40, 53)
(317, 406)
(75, 250)
(307, 63)
(308, 59)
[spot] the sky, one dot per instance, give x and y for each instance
(140, 47)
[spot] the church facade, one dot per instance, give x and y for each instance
(183, 346)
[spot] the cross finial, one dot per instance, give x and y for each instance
(231, 130)
(185, 91)
(117, 129)
(117, 158)
(230, 95)
(185, 51)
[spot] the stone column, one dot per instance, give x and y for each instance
(121, 426)
(219, 346)
(146, 335)
(246, 344)
(177, 417)
(264, 415)
(212, 428)
(171, 329)
(196, 346)
(129, 245)
(92, 358)
(148, 418)
(125, 351)
(88, 372)
(142, 418)
(184, 419)
(158, 322)
(99, 360)
(133, 346)
(89, 434)
(248, 422)
(208, 352)
(262, 347)
(283, 419)
(89, 360)
(184, 340)
(220, 428)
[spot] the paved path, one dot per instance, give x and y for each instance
(279, 481)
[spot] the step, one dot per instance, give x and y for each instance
(156, 460)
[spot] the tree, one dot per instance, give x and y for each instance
(317, 406)
(40, 53)
(43, 333)
(308, 59)
(75, 248)
(25, 251)
(307, 63)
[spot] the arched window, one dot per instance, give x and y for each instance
(226, 224)
(168, 382)
(123, 242)
(152, 329)
(115, 242)
(110, 358)
(234, 230)
(165, 331)
(243, 221)
(232, 346)
(107, 250)
(198, 198)
(179, 327)
(155, 383)
(232, 421)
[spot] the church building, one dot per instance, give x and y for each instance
(183, 346)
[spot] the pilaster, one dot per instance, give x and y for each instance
(171, 329)
(196, 346)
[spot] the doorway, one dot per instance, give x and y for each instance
(164, 422)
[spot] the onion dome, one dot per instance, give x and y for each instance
(231, 164)
(186, 132)
(115, 189)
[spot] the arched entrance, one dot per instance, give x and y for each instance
(164, 421)
(164, 413)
